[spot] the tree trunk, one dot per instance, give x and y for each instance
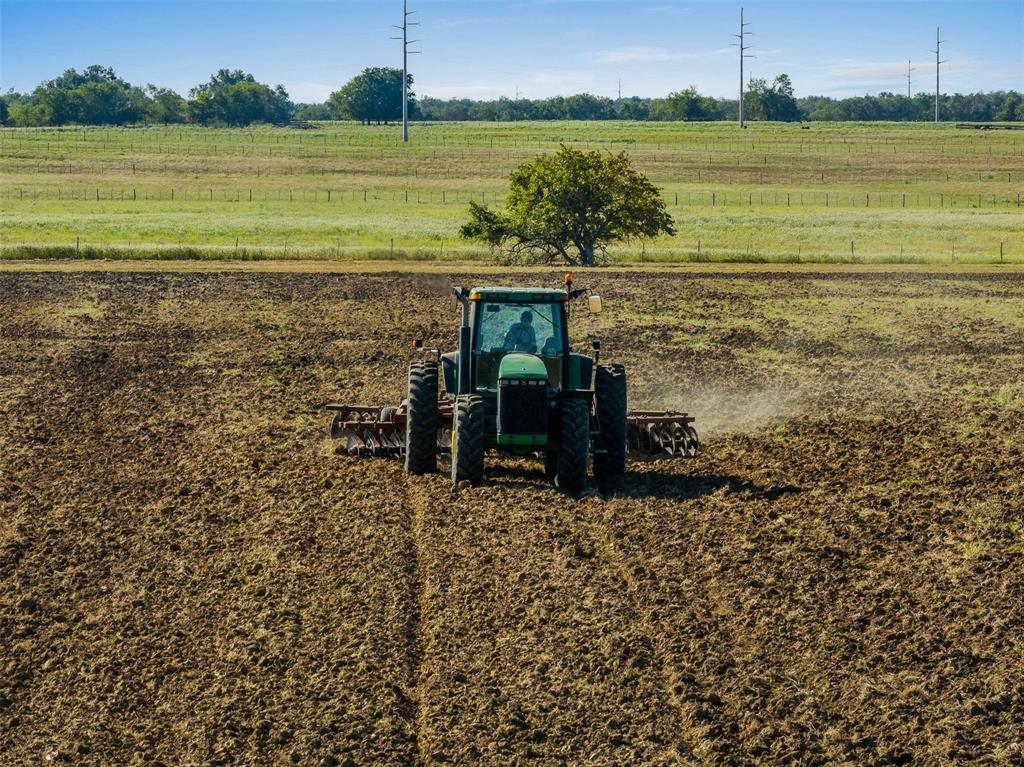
(587, 255)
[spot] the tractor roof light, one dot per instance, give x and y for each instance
(474, 296)
(568, 278)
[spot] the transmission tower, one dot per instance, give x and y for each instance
(909, 70)
(938, 62)
(742, 45)
(406, 42)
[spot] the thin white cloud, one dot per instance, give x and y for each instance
(464, 91)
(631, 54)
(474, 21)
(859, 72)
(309, 93)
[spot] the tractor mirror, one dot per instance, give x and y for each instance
(594, 304)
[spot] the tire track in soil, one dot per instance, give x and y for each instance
(528, 651)
(701, 728)
(418, 507)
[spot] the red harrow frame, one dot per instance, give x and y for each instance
(380, 431)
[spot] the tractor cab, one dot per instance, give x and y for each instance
(512, 330)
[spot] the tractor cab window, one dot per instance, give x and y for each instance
(503, 328)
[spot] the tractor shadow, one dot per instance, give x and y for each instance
(643, 484)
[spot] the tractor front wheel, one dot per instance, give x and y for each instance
(610, 386)
(421, 419)
(468, 440)
(571, 475)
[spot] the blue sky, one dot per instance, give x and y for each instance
(489, 48)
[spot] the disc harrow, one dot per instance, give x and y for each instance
(374, 431)
(654, 432)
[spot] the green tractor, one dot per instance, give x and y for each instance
(515, 386)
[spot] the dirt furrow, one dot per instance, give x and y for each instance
(708, 737)
(509, 576)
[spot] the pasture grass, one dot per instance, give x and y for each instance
(841, 193)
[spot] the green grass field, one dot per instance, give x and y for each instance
(829, 192)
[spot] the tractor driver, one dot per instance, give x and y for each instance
(521, 336)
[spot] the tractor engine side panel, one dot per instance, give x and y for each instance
(581, 371)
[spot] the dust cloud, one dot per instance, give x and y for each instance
(722, 409)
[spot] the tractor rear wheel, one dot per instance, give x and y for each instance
(571, 475)
(468, 439)
(421, 419)
(610, 386)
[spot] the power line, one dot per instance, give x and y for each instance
(743, 55)
(406, 42)
(938, 44)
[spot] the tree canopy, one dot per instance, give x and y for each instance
(233, 97)
(771, 102)
(374, 95)
(570, 206)
(97, 96)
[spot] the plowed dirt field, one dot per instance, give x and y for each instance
(190, 576)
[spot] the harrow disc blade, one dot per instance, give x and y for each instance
(662, 433)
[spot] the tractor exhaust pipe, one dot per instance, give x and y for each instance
(465, 342)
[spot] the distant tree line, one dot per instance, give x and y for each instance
(762, 101)
(97, 96)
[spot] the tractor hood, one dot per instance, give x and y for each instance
(521, 365)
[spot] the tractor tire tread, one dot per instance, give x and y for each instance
(468, 430)
(574, 451)
(610, 389)
(422, 419)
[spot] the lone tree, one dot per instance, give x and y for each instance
(373, 95)
(571, 205)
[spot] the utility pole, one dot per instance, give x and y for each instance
(743, 55)
(620, 89)
(938, 44)
(406, 42)
(909, 70)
